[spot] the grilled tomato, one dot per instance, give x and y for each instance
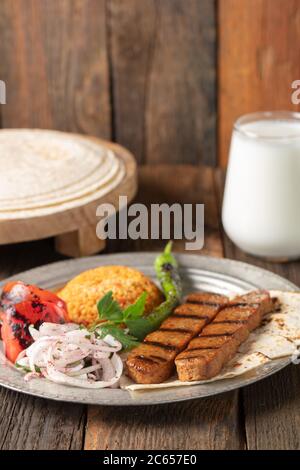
(22, 305)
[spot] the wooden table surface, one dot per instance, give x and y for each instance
(265, 415)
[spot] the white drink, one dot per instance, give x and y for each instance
(261, 208)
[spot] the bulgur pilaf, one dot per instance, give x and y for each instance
(82, 293)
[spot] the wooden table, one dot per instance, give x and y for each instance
(265, 415)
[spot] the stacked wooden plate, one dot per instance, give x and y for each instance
(51, 183)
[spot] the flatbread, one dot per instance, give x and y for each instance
(240, 364)
(41, 168)
(272, 346)
(278, 337)
(285, 323)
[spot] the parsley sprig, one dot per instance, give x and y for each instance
(110, 310)
(112, 316)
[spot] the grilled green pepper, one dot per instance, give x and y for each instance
(166, 268)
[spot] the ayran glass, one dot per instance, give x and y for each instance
(261, 206)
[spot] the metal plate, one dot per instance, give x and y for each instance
(198, 273)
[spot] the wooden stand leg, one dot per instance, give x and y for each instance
(83, 242)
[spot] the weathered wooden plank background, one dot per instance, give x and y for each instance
(258, 57)
(150, 74)
(55, 64)
(141, 72)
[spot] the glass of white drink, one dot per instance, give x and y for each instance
(261, 206)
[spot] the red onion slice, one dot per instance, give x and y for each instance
(70, 355)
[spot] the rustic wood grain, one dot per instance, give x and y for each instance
(212, 423)
(272, 406)
(257, 60)
(149, 65)
(54, 62)
(187, 183)
(199, 424)
(162, 58)
(35, 424)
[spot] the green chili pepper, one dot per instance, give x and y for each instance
(166, 268)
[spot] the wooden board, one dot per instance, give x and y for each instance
(74, 229)
(258, 59)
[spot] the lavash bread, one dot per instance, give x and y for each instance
(44, 171)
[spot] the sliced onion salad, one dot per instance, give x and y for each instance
(72, 355)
